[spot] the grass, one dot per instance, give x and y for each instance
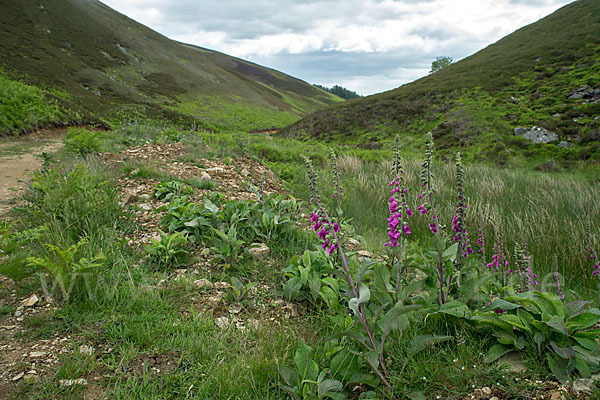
(155, 334)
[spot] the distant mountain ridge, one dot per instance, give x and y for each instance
(110, 65)
(529, 78)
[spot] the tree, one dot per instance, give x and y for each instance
(340, 92)
(440, 63)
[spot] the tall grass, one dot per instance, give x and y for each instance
(547, 212)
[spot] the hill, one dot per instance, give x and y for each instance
(97, 63)
(546, 74)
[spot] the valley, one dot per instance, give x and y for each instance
(176, 223)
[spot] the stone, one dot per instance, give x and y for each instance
(205, 176)
(584, 386)
(203, 283)
(245, 172)
(18, 376)
(71, 382)
(217, 170)
(259, 250)
(564, 144)
(18, 312)
(494, 398)
(486, 393)
(85, 349)
(145, 197)
(536, 134)
(515, 362)
(181, 271)
(30, 301)
(37, 354)
(145, 207)
(222, 322)
(557, 115)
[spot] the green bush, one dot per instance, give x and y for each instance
(24, 107)
(81, 141)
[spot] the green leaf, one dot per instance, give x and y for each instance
(583, 368)
(450, 253)
(330, 387)
(419, 343)
(307, 368)
(455, 308)
(563, 352)
(586, 342)
(557, 324)
(491, 319)
(559, 367)
(550, 303)
(502, 304)
(495, 352)
(392, 320)
(584, 320)
(574, 308)
(515, 321)
(288, 375)
(539, 339)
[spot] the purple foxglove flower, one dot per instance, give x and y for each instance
(409, 212)
(407, 230)
(336, 227)
(433, 228)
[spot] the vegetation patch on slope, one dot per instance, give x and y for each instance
(545, 74)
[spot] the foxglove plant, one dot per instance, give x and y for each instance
(428, 206)
(461, 235)
(500, 263)
(374, 326)
(338, 192)
(399, 213)
(481, 238)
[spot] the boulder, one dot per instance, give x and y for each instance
(536, 134)
(259, 250)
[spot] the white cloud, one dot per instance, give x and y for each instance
(375, 33)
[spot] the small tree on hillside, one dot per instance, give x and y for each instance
(440, 63)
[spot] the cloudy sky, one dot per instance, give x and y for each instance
(365, 45)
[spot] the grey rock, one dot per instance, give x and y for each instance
(203, 283)
(583, 386)
(564, 145)
(557, 115)
(205, 176)
(259, 250)
(514, 361)
(536, 134)
(145, 207)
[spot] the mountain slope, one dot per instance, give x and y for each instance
(105, 61)
(522, 80)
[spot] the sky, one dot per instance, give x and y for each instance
(368, 46)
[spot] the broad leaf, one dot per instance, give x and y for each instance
(496, 351)
(307, 368)
(419, 343)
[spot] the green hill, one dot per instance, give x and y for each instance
(95, 62)
(529, 78)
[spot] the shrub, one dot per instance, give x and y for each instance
(81, 141)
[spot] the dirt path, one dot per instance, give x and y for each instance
(19, 158)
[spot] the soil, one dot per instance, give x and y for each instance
(19, 157)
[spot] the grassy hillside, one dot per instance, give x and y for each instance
(475, 104)
(112, 66)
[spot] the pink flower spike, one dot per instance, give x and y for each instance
(407, 230)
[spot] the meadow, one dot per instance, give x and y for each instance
(178, 315)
